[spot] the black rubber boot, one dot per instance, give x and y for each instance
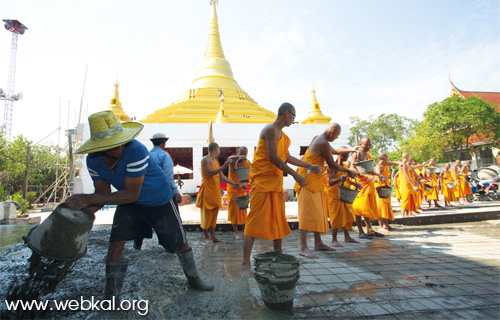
(138, 243)
(189, 267)
(115, 274)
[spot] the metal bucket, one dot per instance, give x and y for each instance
(489, 173)
(346, 194)
(428, 187)
(467, 179)
(430, 170)
(450, 185)
(384, 192)
(242, 172)
(364, 167)
(63, 235)
(241, 202)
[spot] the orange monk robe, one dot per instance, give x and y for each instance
(434, 193)
(236, 215)
(365, 204)
(466, 186)
(449, 194)
(340, 213)
(417, 196)
(459, 192)
(396, 186)
(408, 194)
(267, 219)
(384, 205)
(312, 205)
(209, 197)
(421, 189)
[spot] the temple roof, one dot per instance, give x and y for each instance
(315, 115)
(200, 103)
(490, 97)
(116, 106)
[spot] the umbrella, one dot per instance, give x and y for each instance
(181, 170)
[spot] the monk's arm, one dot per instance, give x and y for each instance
(332, 165)
(223, 177)
(407, 177)
(342, 151)
(353, 160)
(212, 172)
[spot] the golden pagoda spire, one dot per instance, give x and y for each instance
(315, 115)
(222, 117)
(116, 105)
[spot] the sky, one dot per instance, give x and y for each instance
(363, 57)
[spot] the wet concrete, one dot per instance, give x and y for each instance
(448, 271)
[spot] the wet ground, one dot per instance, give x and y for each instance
(446, 271)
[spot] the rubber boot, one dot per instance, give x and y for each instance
(138, 243)
(115, 274)
(189, 267)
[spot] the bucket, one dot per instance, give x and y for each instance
(489, 173)
(430, 170)
(242, 172)
(428, 187)
(450, 185)
(276, 274)
(63, 235)
(467, 179)
(364, 167)
(384, 192)
(241, 202)
(346, 194)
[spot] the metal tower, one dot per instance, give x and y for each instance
(16, 28)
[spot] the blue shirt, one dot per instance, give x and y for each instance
(165, 162)
(134, 163)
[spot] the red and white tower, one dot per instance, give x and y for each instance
(16, 28)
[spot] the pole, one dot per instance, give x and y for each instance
(71, 167)
(26, 173)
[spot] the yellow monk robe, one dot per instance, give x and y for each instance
(459, 192)
(312, 205)
(209, 197)
(466, 186)
(236, 215)
(397, 187)
(340, 213)
(421, 189)
(433, 181)
(449, 194)
(384, 205)
(408, 194)
(416, 197)
(267, 219)
(365, 204)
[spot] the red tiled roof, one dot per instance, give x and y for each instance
(490, 97)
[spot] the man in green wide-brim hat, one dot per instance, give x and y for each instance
(144, 199)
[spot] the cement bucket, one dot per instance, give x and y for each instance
(241, 202)
(242, 172)
(364, 167)
(276, 274)
(384, 192)
(346, 194)
(63, 235)
(428, 187)
(450, 185)
(430, 170)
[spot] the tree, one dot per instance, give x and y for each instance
(385, 132)
(459, 120)
(423, 145)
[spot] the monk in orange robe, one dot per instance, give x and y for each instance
(267, 219)
(384, 204)
(465, 185)
(432, 195)
(312, 205)
(396, 187)
(365, 204)
(340, 213)
(237, 216)
(449, 193)
(455, 173)
(209, 197)
(408, 188)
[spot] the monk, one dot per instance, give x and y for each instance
(267, 219)
(457, 177)
(312, 205)
(237, 216)
(468, 195)
(384, 205)
(449, 193)
(396, 187)
(209, 197)
(417, 177)
(340, 213)
(365, 204)
(433, 195)
(408, 188)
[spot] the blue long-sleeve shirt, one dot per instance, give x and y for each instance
(164, 161)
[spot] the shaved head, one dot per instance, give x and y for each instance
(333, 126)
(243, 150)
(382, 155)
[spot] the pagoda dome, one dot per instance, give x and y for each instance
(315, 116)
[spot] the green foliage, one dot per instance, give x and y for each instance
(386, 132)
(3, 195)
(18, 197)
(423, 145)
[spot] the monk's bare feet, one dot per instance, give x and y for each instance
(208, 241)
(247, 270)
(412, 214)
(322, 247)
(335, 243)
(215, 239)
(437, 206)
(351, 240)
(238, 236)
(308, 253)
(383, 229)
(391, 228)
(420, 210)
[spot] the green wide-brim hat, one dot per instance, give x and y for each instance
(106, 132)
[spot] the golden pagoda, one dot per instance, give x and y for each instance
(116, 106)
(201, 103)
(315, 116)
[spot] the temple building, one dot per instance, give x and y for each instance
(213, 106)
